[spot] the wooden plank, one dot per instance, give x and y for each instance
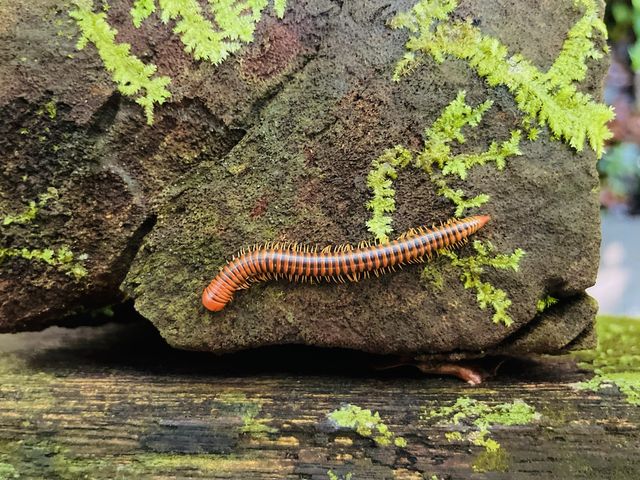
(115, 402)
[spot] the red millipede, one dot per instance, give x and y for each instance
(297, 262)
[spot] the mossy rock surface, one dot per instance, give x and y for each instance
(299, 174)
(275, 144)
(63, 124)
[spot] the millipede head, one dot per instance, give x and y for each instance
(211, 304)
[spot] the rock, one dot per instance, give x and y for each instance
(278, 142)
(300, 175)
(65, 126)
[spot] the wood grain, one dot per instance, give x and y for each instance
(115, 402)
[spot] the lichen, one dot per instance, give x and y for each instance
(279, 6)
(366, 424)
(475, 419)
(548, 98)
(616, 358)
(133, 77)
(438, 162)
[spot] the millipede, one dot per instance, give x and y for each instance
(333, 263)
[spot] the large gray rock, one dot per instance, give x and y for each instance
(300, 175)
(275, 144)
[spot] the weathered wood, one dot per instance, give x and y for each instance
(114, 402)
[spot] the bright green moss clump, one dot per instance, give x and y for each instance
(62, 258)
(236, 22)
(29, 214)
(545, 303)
(234, 25)
(472, 268)
(237, 404)
(438, 162)
(133, 77)
(616, 359)
(475, 420)
(367, 424)
(383, 171)
(548, 98)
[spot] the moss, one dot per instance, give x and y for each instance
(61, 258)
(365, 423)
(437, 161)
(29, 213)
(7, 471)
(383, 171)
(548, 98)
(236, 23)
(141, 10)
(248, 411)
(471, 270)
(545, 303)
(491, 461)
(133, 77)
(616, 358)
(334, 476)
(476, 419)
(50, 109)
(47, 459)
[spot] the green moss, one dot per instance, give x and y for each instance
(475, 419)
(616, 358)
(7, 471)
(279, 6)
(236, 22)
(367, 424)
(47, 459)
(141, 10)
(471, 270)
(491, 461)
(50, 109)
(438, 162)
(133, 77)
(545, 303)
(548, 98)
(29, 214)
(383, 171)
(62, 258)
(334, 476)
(238, 404)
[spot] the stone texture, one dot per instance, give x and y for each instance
(106, 163)
(275, 145)
(302, 178)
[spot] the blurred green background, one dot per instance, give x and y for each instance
(618, 286)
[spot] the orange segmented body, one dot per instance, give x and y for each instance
(337, 263)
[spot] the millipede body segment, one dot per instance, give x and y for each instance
(338, 263)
